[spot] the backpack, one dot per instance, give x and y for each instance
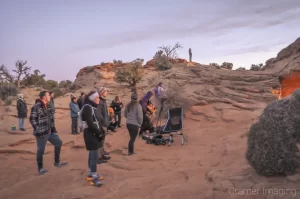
(82, 124)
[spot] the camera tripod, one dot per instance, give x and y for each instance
(159, 114)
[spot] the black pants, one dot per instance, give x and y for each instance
(74, 125)
(118, 115)
(146, 125)
(41, 145)
(112, 126)
(133, 132)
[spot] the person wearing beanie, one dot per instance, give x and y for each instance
(103, 109)
(22, 111)
(74, 109)
(134, 118)
(93, 134)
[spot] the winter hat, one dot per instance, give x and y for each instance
(134, 96)
(101, 90)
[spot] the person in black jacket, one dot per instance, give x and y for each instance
(93, 134)
(42, 122)
(80, 100)
(22, 111)
(117, 105)
(103, 109)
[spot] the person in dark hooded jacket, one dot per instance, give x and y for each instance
(145, 102)
(22, 111)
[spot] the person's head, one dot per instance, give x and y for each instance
(45, 96)
(51, 94)
(92, 96)
(102, 91)
(73, 99)
(20, 96)
(117, 99)
(134, 100)
(159, 84)
(82, 94)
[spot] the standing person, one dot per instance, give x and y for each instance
(22, 111)
(42, 122)
(93, 134)
(103, 109)
(51, 103)
(74, 109)
(160, 93)
(134, 119)
(117, 105)
(190, 54)
(80, 100)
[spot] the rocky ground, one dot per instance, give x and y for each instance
(220, 106)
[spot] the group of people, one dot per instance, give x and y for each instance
(95, 118)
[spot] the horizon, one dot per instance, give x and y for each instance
(60, 38)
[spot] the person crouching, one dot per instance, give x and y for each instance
(112, 123)
(93, 134)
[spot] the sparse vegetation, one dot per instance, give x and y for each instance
(21, 70)
(132, 73)
(226, 65)
(256, 67)
(163, 63)
(241, 68)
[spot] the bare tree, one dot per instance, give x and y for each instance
(21, 69)
(169, 51)
(5, 75)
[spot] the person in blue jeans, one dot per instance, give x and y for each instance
(42, 121)
(93, 134)
(74, 109)
(22, 111)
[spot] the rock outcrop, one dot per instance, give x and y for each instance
(287, 60)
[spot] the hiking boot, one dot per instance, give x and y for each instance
(90, 177)
(96, 182)
(42, 171)
(120, 126)
(131, 154)
(106, 153)
(60, 164)
(100, 161)
(106, 157)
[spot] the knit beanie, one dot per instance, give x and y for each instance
(101, 90)
(134, 96)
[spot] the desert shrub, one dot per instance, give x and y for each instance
(272, 141)
(215, 65)
(7, 89)
(102, 64)
(163, 63)
(256, 67)
(8, 101)
(89, 69)
(115, 61)
(120, 62)
(65, 84)
(227, 65)
(241, 68)
(57, 92)
(158, 54)
(50, 84)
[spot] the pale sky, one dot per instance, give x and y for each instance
(59, 37)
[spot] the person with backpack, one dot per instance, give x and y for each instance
(22, 111)
(93, 134)
(117, 106)
(42, 121)
(134, 118)
(74, 109)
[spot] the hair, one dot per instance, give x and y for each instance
(131, 104)
(117, 98)
(82, 94)
(43, 94)
(159, 84)
(73, 98)
(86, 98)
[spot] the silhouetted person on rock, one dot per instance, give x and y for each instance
(190, 54)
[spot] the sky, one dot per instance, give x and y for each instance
(59, 37)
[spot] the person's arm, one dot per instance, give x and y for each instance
(125, 112)
(89, 118)
(18, 105)
(33, 117)
(139, 114)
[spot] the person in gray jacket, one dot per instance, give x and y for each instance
(134, 118)
(74, 109)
